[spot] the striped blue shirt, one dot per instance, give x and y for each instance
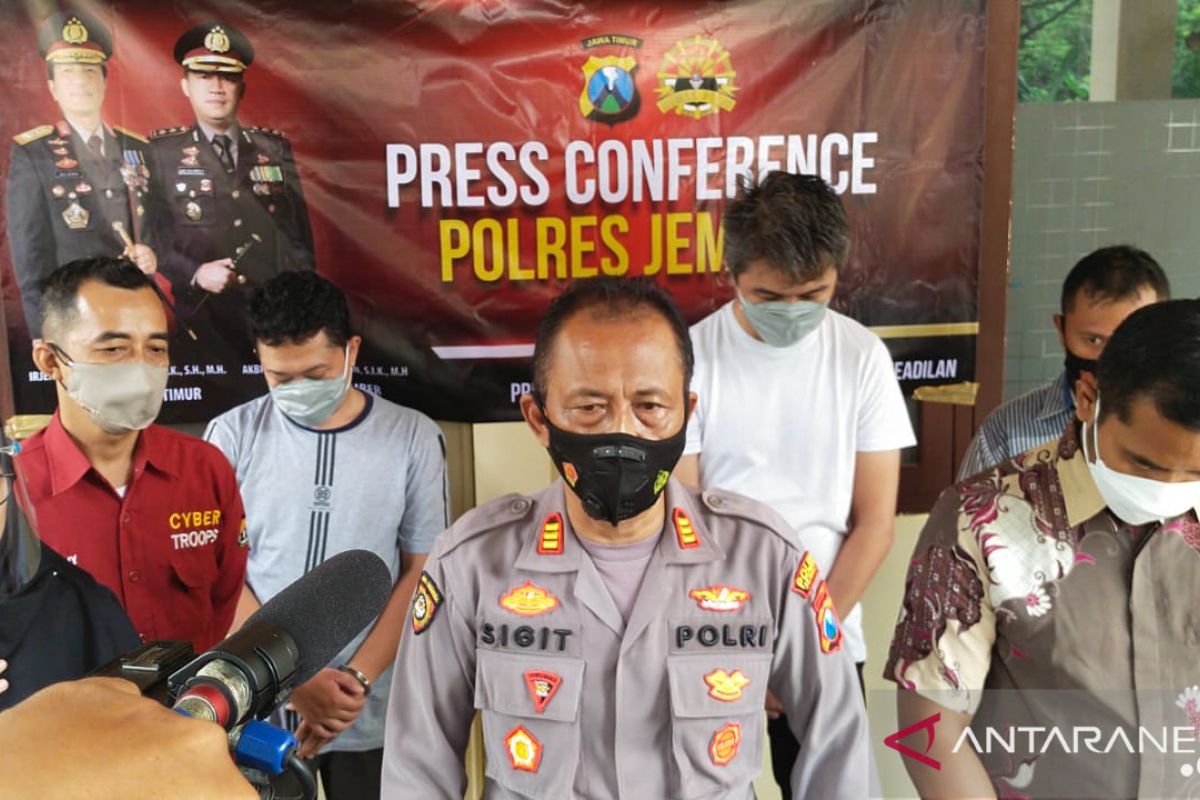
(1034, 418)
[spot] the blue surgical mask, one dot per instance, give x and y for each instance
(311, 401)
(780, 323)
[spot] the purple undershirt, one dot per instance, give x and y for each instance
(622, 567)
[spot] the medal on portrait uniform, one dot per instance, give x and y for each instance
(193, 211)
(76, 216)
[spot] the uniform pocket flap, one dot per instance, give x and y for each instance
(546, 687)
(195, 571)
(717, 685)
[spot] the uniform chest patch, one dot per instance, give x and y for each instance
(524, 750)
(529, 600)
(726, 686)
(542, 684)
(829, 628)
(806, 575)
(719, 598)
(725, 743)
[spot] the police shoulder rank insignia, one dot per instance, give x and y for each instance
(33, 134)
(523, 748)
(726, 686)
(529, 600)
(131, 134)
(829, 628)
(806, 575)
(685, 534)
(725, 743)
(550, 540)
(542, 684)
(719, 598)
(426, 603)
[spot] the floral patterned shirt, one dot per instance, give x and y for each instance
(1022, 579)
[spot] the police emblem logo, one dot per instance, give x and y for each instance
(661, 480)
(74, 32)
(696, 79)
(829, 628)
(685, 534)
(217, 40)
(719, 598)
(243, 539)
(542, 684)
(193, 211)
(550, 539)
(425, 604)
(726, 686)
(609, 94)
(570, 473)
(66, 163)
(528, 600)
(523, 748)
(806, 574)
(725, 743)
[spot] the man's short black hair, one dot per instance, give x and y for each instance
(1155, 353)
(1119, 272)
(615, 298)
(293, 307)
(795, 223)
(60, 289)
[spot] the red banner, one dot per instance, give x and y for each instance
(452, 165)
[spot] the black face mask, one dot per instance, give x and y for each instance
(616, 476)
(1076, 365)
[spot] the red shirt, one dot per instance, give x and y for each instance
(172, 549)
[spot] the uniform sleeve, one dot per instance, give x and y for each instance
(30, 238)
(426, 490)
(883, 422)
(296, 243)
(817, 685)
(432, 699)
(232, 546)
(942, 645)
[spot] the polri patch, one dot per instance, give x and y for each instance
(725, 743)
(524, 750)
(426, 603)
(528, 600)
(806, 574)
(542, 684)
(719, 598)
(726, 686)
(829, 628)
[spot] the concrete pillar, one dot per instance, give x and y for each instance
(1133, 49)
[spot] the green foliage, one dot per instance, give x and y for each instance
(1185, 79)
(1054, 60)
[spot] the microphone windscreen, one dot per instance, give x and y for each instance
(324, 610)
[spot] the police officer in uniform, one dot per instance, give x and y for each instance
(620, 631)
(71, 182)
(235, 211)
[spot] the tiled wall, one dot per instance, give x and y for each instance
(1088, 175)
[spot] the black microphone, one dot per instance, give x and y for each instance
(285, 643)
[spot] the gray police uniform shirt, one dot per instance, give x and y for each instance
(377, 484)
(511, 618)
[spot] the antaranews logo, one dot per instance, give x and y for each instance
(927, 725)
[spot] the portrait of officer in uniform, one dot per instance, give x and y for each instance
(76, 187)
(235, 214)
(619, 631)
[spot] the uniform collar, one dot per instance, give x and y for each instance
(1080, 495)
(68, 464)
(685, 539)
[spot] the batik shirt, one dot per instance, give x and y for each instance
(1022, 579)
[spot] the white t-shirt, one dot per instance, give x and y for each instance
(783, 425)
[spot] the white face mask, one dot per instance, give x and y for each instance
(120, 397)
(1133, 499)
(311, 401)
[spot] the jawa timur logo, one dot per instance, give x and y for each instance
(696, 79)
(609, 93)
